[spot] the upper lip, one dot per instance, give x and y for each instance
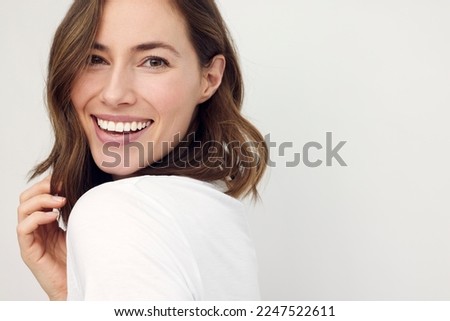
(122, 118)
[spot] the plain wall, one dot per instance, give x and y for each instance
(375, 74)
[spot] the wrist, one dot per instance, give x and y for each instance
(58, 297)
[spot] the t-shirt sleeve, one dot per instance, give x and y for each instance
(126, 246)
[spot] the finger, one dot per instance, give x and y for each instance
(42, 187)
(26, 228)
(39, 203)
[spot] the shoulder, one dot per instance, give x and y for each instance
(146, 198)
(165, 229)
(159, 186)
(127, 228)
(169, 192)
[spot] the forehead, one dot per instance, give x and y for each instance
(138, 21)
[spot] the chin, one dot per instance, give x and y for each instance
(117, 168)
(119, 171)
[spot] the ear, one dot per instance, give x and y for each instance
(212, 77)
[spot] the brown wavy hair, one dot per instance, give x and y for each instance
(221, 145)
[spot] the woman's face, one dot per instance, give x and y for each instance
(141, 88)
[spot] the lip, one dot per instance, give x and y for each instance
(119, 138)
(118, 118)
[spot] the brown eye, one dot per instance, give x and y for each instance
(96, 60)
(155, 62)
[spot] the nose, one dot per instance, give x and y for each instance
(118, 90)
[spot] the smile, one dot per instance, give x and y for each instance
(122, 127)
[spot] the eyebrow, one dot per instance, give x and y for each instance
(142, 47)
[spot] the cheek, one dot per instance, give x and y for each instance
(80, 94)
(76, 99)
(175, 99)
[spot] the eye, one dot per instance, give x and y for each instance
(96, 60)
(155, 63)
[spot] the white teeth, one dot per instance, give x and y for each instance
(122, 127)
(119, 127)
(111, 126)
(134, 126)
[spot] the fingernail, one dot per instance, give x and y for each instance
(58, 198)
(56, 212)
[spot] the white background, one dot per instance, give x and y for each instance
(374, 73)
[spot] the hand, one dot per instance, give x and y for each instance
(42, 243)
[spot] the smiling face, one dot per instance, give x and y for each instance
(142, 85)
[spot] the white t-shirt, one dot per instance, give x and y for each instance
(160, 238)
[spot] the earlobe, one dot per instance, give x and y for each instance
(212, 77)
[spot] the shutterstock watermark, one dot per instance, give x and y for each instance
(331, 152)
(190, 152)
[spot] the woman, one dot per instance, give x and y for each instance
(150, 156)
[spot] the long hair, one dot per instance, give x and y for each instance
(220, 145)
